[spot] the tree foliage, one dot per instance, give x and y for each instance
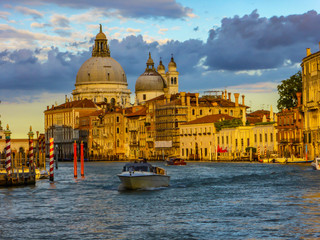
(228, 124)
(287, 91)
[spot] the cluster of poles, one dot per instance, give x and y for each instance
(32, 165)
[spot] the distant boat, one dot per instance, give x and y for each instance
(175, 161)
(292, 159)
(143, 175)
(316, 164)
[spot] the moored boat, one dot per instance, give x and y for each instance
(143, 175)
(316, 164)
(175, 161)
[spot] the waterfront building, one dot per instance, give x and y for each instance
(290, 131)
(173, 110)
(109, 135)
(311, 102)
(62, 123)
(197, 139)
(221, 136)
(137, 133)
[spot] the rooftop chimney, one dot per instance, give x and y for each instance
(197, 99)
(183, 98)
(242, 99)
(229, 96)
(222, 95)
(299, 98)
(236, 97)
(188, 99)
(225, 94)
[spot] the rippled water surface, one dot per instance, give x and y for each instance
(204, 201)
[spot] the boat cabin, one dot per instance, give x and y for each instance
(142, 167)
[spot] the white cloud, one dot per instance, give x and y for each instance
(133, 31)
(28, 11)
(250, 72)
(163, 30)
(4, 15)
(60, 21)
(39, 25)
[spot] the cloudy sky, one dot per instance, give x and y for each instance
(245, 46)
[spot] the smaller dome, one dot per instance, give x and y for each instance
(161, 67)
(150, 81)
(172, 63)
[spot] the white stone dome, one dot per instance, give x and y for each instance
(150, 81)
(97, 70)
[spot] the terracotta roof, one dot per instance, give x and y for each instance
(259, 113)
(85, 103)
(93, 114)
(141, 112)
(210, 119)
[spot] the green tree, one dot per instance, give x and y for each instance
(287, 91)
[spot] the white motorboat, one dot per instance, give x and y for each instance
(143, 175)
(316, 164)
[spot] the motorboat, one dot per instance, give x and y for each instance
(175, 161)
(142, 175)
(316, 164)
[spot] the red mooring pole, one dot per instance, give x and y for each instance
(51, 159)
(82, 160)
(75, 159)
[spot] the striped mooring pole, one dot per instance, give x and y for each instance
(51, 159)
(44, 152)
(31, 163)
(258, 152)
(7, 134)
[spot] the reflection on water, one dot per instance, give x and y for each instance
(204, 201)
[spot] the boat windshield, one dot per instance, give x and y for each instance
(138, 167)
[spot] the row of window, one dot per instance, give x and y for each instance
(226, 139)
(186, 152)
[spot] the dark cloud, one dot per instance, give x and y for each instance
(240, 44)
(63, 32)
(125, 8)
(22, 70)
(251, 42)
(196, 29)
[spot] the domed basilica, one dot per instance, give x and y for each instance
(153, 83)
(101, 78)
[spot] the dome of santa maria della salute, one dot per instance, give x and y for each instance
(101, 78)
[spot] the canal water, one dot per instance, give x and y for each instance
(204, 201)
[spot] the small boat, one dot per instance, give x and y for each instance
(175, 161)
(316, 164)
(143, 175)
(292, 160)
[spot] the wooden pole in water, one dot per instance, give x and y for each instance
(75, 159)
(82, 160)
(51, 159)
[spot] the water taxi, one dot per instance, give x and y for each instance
(143, 175)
